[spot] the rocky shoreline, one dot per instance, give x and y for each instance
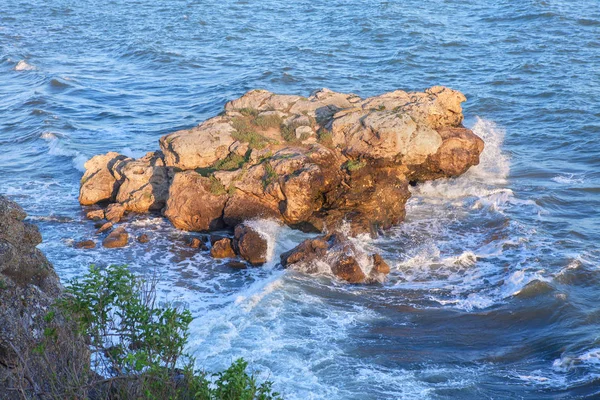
(318, 164)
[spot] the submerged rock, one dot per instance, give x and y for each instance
(311, 163)
(336, 254)
(117, 238)
(222, 248)
(85, 244)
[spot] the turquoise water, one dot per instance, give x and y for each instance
(495, 275)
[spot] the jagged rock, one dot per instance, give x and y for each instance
(114, 212)
(250, 245)
(95, 215)
(101, 179)
(197, 243)
(85, 244)
(29, 287)
(222, 249)
(145, 183)
(105, 227)
(199, 147)
(195, 203)
(338, 254)
(379, 265)
(117, 238)
(143, 238)
(312, 163)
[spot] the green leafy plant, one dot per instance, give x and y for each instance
(267, 121)
(216, 187)
(270, 174)
(138, 346)
(354, 165)
(230, 163)
(248, 112)
(245, 132)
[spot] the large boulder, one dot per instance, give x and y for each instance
(102, 178)
(145, 183)
(198, 147)
(195, 203)
(250, 244)
(335, 254)
(28, 289)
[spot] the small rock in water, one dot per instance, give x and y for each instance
(237, 264)
(117, 238)
(194, 243)
(379, 265)
(222, 249)
(85, 244)
(95, 215)
(339, 253)
(105, 227)
(250, 245)
(114, 212)
(348, 269)
(143, 238)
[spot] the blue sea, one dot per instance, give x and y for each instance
(495, 285)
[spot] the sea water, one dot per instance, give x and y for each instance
(495, 283)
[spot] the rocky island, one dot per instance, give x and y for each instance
(315, 164)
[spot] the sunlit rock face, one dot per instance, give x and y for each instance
(312, 163)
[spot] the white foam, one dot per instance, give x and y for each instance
(48, 136)
(56, 148)
(23, 66)
(569, 179)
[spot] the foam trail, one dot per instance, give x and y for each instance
(23, 66)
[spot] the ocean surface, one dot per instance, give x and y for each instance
(495, 285)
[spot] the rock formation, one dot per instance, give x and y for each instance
(28, 288)
(309, 162)
(313, 163)
(335, 254)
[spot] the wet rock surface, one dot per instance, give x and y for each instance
(334, 253)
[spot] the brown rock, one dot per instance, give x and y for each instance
(222, 249)
(348, 269)
(260, 159)
(199, 147)
(195, 203)
(105, 227)
(143, 238)
(145, 183)
(101, 179)
(85, 244)
(197, 243)
(379, 265)
(29, 289)
(250, 245)
(337, 252)
(95, 215)
(117, 238)
(237, 264)
(114, 212)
